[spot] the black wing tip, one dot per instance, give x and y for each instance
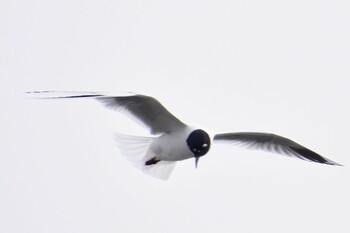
(331, 163)
(71, 96)
(313, 156)
(78, 96)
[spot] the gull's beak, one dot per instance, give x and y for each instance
(196, 161)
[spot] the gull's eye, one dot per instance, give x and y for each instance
(205, 145)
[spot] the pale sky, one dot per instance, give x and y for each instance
(266, 66)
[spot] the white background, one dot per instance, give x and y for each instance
(269, 66)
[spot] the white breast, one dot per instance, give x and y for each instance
(172, 146)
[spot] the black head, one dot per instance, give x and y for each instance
(198, 142)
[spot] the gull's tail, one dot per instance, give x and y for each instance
(135, 149)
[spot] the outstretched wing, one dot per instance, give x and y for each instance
(145, 109)
(272, 143)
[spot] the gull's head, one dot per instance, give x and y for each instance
(199, 143)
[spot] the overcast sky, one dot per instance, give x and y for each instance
(245, 65)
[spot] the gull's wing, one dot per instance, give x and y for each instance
(144, 109)
(272, 143)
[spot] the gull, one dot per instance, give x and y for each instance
(172, 140)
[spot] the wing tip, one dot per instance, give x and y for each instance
(332, 163)
(73, 94)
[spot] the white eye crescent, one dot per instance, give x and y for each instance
(205, 145)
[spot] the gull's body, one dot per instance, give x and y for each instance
(172, 140)
(170, 147)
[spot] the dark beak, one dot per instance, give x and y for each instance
(196, 161)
